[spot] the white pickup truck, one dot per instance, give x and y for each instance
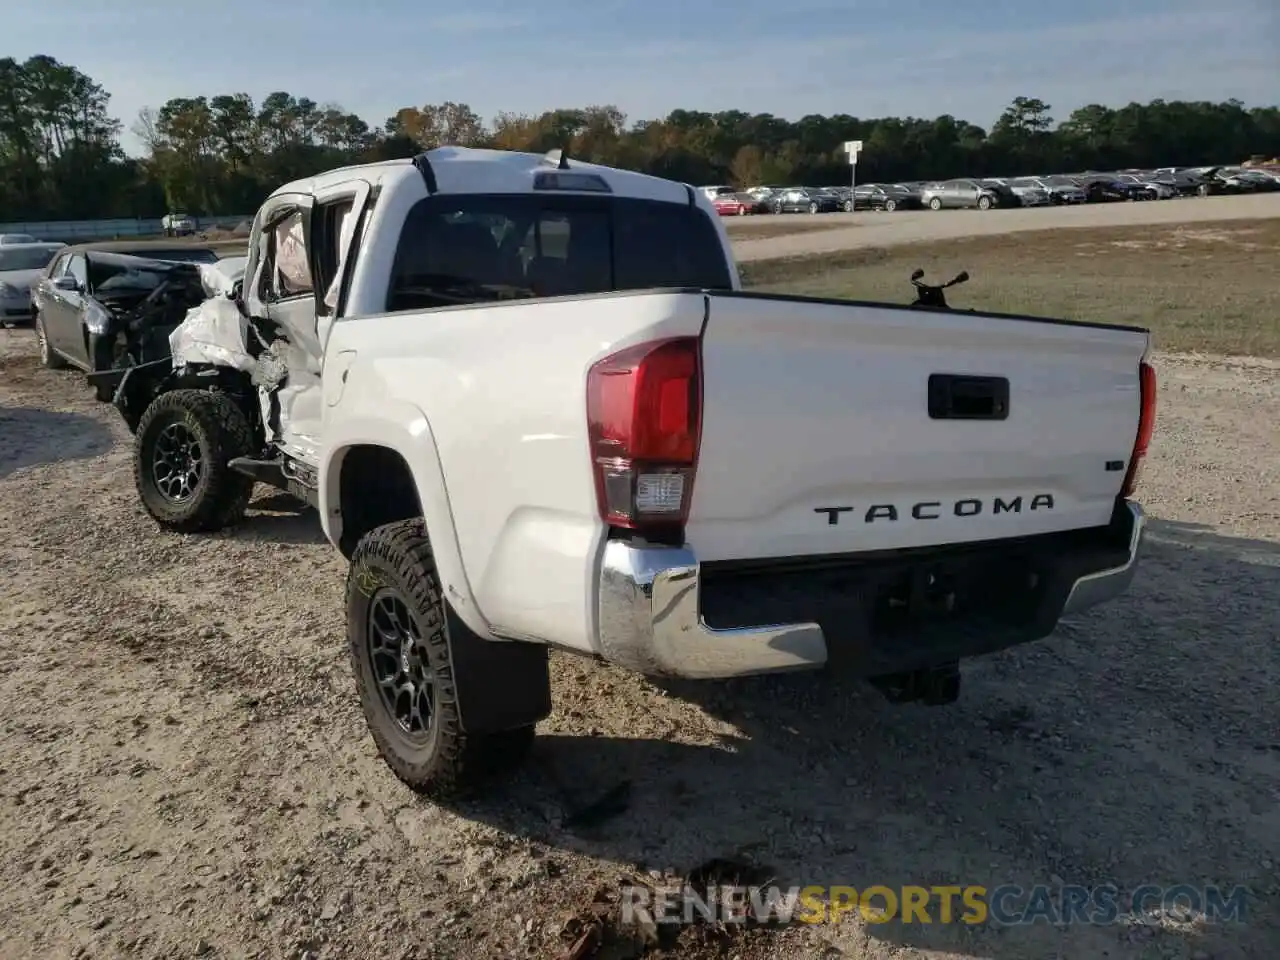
(534, 408)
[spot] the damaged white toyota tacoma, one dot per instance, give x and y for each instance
(534, 408)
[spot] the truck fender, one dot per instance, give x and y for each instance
(403, 428)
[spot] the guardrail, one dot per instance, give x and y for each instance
(123, 228)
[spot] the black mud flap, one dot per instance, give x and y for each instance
(502, 684)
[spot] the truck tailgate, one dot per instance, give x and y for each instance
(819, 435)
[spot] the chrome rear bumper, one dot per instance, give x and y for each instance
(650, 620)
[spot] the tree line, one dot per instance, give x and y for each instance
(61, 154)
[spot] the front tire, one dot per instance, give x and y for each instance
(813, 208)
(49, 357)
(935, 204)
(984, 203)
(399, 644)
(890, 206)
(183, 444)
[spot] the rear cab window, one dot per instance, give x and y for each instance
(467, 249)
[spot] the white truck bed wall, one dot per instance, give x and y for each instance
(494, 397)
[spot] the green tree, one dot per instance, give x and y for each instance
(60, 154)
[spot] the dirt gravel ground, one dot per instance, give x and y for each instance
(184, 770)
(912, 226)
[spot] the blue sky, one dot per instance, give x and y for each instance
(863, 57)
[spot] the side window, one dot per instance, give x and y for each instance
(78, 269)
(59, 267)
(337, 223)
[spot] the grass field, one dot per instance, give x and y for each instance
(1210, 287)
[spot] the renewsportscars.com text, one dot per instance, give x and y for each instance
(1006, 905)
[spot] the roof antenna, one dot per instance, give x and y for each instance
(558, 157)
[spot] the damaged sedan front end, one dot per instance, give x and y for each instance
(125, 314)
(133, 313)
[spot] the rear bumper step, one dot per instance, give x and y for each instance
(662, 613)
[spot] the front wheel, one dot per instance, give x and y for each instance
(891, 205)
(848, 206)
(984, 203)
(935, 204)
(399, 644)
(813, 208)
(182, 448)
(48, 356)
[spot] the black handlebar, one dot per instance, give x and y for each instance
(931, 295)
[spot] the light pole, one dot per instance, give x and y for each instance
(853, 148)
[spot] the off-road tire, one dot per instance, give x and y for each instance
(450, 764)
(223, 433)
(49, 357)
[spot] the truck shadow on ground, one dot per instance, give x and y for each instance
(276, 517)
(1135, 746)
(30, 437)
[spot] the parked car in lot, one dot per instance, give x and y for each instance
(8, 238)
(1029, 191)
(734, 205)
(1248, 180)
(965, 193)
(718, 190)
(804, 200)
(1106, 190)
(887, 197)
(1061, 190)
(21, 266)
(1217, 181)
(1150, 188)
(511, 457)
(100, 310)
(1184, 183)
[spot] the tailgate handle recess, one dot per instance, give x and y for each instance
(954, 396)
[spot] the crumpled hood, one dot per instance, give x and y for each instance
(215, 332)
(219, 278)
(21, 280)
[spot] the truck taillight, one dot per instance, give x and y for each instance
(644, 410)
(1146, 426)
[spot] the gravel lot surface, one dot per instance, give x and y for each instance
(910, 226)
(184, 770)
